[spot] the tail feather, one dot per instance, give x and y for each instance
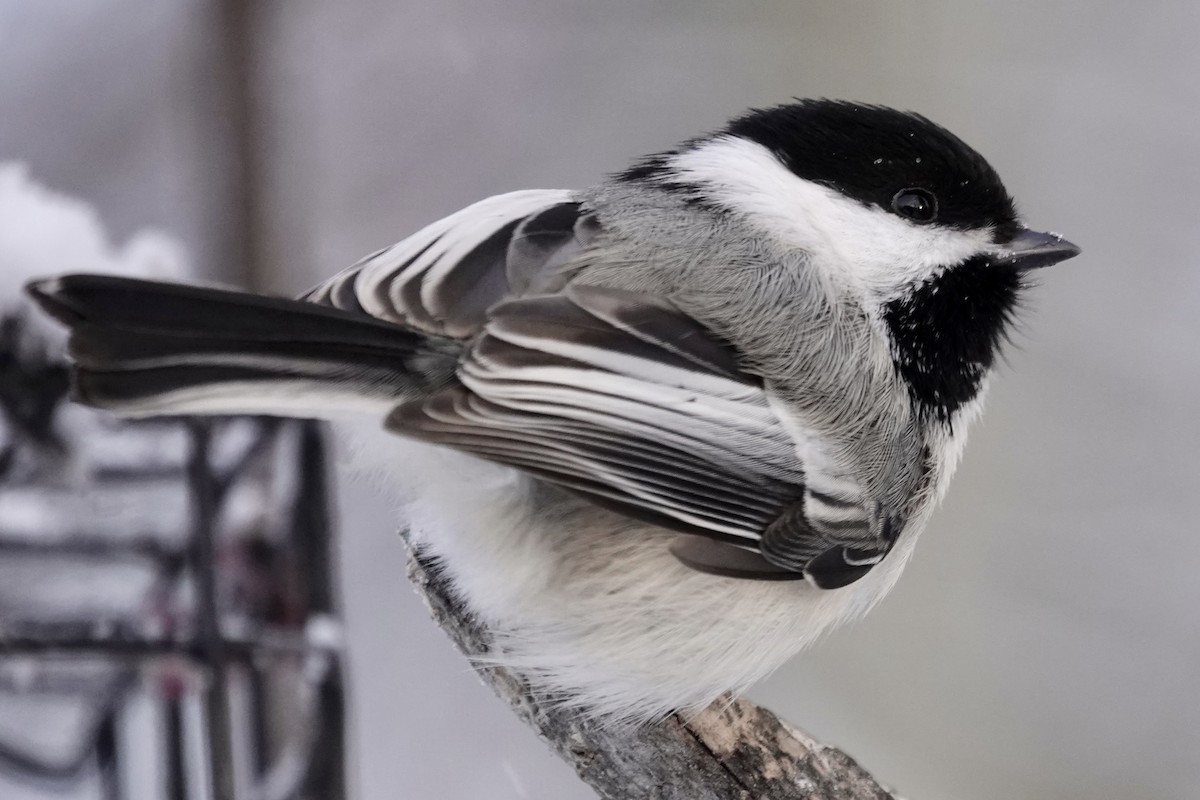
(144, 347)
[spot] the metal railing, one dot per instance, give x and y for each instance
(168, 617)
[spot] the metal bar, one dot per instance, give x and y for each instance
(107, 754)
(312, 532)
(260, 720)
(89, 546)
(176, 750)
(237, 28)
(115, 637)
(136, 474)
(310, 526)
(327, 770)
(212, 645)
(242, 649)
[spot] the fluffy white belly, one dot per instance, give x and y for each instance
(590, 606)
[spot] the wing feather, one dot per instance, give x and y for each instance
(445, 277)
(616, 396)
(626, 400)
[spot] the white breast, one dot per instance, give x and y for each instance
(589, 605)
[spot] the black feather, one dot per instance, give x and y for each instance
(870, 153)
(831, 570)
(947, 332)
(136, 340)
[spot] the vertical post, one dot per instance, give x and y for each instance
(106, 756)
(236, 19)
(208, 619)
(176, 788)
(312, 530)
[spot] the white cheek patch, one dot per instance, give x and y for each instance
(870, 248)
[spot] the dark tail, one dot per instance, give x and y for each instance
(146, 348)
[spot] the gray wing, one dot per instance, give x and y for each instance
(624, 399)
(618, 397)
(444, 278)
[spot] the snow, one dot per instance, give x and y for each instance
(44, 233)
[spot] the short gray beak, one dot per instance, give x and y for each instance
(1034, 250)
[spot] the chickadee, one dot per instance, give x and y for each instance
(725, 387)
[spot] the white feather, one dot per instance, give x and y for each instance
(310, 399)
(858, 245)
(605, 618)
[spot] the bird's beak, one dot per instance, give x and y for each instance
(1034, 250)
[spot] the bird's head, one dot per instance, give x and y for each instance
(893, 211)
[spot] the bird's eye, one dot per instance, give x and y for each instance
(915, 204)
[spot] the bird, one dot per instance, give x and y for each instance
(673, 427)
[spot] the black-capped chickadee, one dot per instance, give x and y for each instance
(720, 392)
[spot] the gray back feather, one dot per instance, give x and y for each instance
(825, 359)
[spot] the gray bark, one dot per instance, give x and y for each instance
(733, 749)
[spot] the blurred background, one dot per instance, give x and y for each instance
(1045, 641)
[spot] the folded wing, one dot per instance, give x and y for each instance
(626, 400)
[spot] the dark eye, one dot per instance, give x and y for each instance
(915, 204)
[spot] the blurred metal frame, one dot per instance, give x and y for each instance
(208, 639)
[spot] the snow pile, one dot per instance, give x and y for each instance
(44, 233)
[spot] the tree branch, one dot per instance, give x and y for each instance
(732, 749)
